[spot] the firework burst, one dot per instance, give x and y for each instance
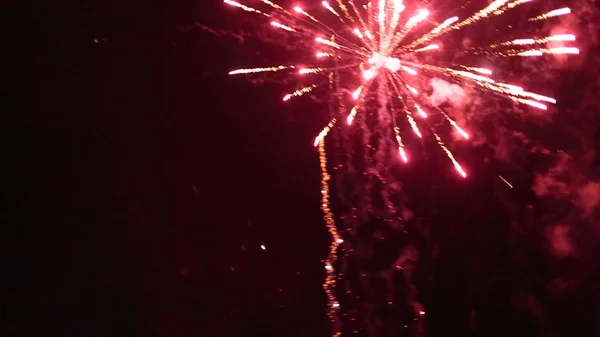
(369, 44)
(389, 49)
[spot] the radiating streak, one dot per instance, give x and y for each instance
(323, 54)
(419, 110)
(453, 123)
(450, 155)
(430, 47)
(259, 70)
(413, 90)
(299, 92)
(555, 51)
(494, 8)
(352, 115)
(327, 42)
(479, 70)
(400, 144)
(324, 132)
(409, 70)
(246, 8)
(556, 12)
(506, 182)
(530, 41)
(329, 8)
(284, 27)
(299, 9)
(305, 71)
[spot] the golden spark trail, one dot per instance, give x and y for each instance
(330, 280)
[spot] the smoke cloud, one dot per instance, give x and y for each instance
(446, 92)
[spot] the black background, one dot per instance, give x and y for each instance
(152, 178)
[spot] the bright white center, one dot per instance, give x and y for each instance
(378, 61)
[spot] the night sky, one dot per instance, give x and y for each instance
(152, 179)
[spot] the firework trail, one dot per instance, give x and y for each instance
(379, 53)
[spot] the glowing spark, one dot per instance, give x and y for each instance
(562, 37)
(444, 24)
(531, 53)
(299, 92)
(284, 27)
(324, 132)
(403, 154)
(451, 156)
(479, 70)
(246, 8)
(506, 182)
(323, 54)
(298, 9)
(305, 71)
(263, 247)
(358, 33)
(523, 41)
(327, 42)
(420, 111)
(352, 115)
(259, 70)
(413, 124)
(357, 92)
(564, 50)
(409, 70)
(329, 8)
(430, 47)
(556, 12)
(413, 90)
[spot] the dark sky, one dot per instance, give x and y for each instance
(154, 178)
